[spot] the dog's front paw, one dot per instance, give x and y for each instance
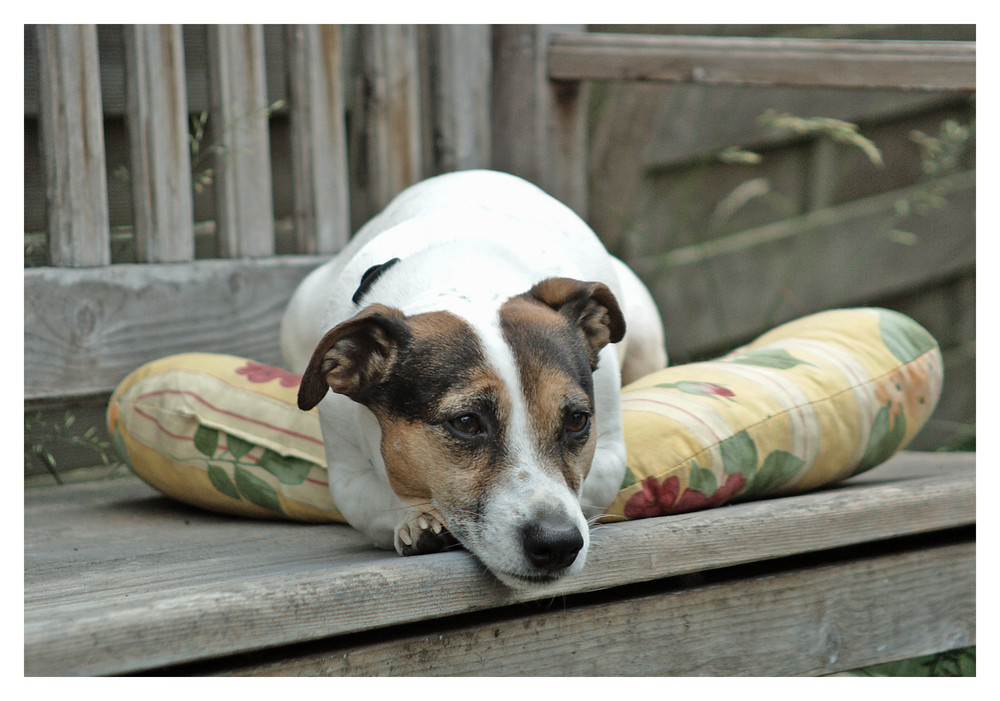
(421, 532)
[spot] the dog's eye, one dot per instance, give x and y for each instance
(467, 425)
(576, 423)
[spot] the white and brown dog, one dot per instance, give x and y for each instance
(465, 334)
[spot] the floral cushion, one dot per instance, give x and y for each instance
(223, 433)
(811, 402)
(808, 403)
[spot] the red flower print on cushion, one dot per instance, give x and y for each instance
(692, 499)
(258, 372)
(654, 499)
(660, 499)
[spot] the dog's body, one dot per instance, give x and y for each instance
(465, 333)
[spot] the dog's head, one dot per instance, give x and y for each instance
(490, 421)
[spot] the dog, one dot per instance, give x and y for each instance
(466, 351)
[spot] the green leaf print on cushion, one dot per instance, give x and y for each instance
(257, 491)
(237, 446)
(778, 467)
(739, 454)
(702, 480)
(206, 440)
(220, 480)
(904, 338)
(885, 438)
(775, 358)
(629, 479)
(289, 470)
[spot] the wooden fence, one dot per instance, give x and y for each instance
(370, 110)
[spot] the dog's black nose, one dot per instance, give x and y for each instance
(551, 543)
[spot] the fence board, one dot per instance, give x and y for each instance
(840, 256)
(461, 73)
(84, 330)
(765, 61)
(539, 126)
(319, 139)
(244, 208)
(160, 175)
(389, 127)
(72, 145)
(151, 598)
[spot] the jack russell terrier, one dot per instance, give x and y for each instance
(465, 332)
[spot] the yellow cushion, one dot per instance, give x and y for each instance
(223, 433)
(811, 402)
(808, 403)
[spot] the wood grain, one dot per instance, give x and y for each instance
(809, 621)
(907, 65)
(85, 329)
(117, 579)
(319, 138)
(72, 146)
(458, 97)
(160, 173)
(539, 126)
(390, 124)
(239, 118)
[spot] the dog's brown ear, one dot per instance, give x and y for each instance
(354, 355)
(590, 305)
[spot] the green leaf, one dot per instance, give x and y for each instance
(629, 478)
(289, 470)
(206, 440)
(257, 491)
(884, 440)
(776, 358)
(778, 467)
(905, 338)
(220, 480)
(739, 454)
(237, 446)
(702, 480)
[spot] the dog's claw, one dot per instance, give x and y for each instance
(423, 532)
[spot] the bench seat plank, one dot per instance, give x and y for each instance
(120, 579)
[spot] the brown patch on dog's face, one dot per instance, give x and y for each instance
(443, 415)
(554, 362)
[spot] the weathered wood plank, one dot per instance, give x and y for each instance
(460, 59)
(389, 125)
(72, 145)
(114, 582)
(906, 65)
(319, 138)
(809, 621)
(239, 114)
(84, 330)
(539, 126)
(160, 174)
(840, 256)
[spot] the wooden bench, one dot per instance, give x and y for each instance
(121, 580)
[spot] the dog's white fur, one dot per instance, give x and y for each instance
(482, 238)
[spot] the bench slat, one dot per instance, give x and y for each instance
(239, 125)
(319, 138)
(912, 65)
(809, 621)
(72, 145)
(153, 583)
(160, 175)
